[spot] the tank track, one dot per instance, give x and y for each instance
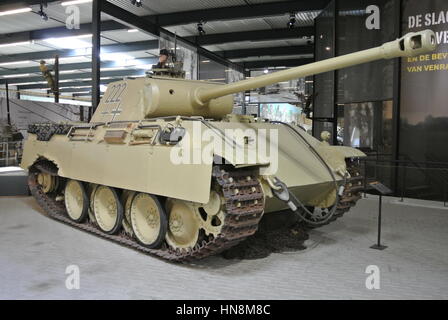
(352, 193)
(244, 204)
(45, 131)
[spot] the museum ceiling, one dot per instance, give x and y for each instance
(250, 33)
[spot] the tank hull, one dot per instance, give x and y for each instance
(140, 167)
(87, 155)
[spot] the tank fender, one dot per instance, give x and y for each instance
(30, 157)
(35, 151)
(27, 162)
(349, 152)
(335, 156)
(36, 159)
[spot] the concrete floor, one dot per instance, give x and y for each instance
(35, 251)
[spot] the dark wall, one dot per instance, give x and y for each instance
(370, 81)
(341, 29)
(397, 115)
(424, 90)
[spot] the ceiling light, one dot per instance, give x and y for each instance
(27, 83)
(266, 71)
(120, 59)
(292, 21)
(65, 59)
(137, 3)
(200, 27)
(112, 69)
(5, 13)
(17, 75)
(132, 30)
(144, 66)
(83, 51)
(75, 87)
(16, 44)
(41, 12)
(14, 62)
(82, 36)
(69, 3)
(205, 61)
(70, 42)
(79, 92)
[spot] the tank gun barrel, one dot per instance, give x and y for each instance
(411, 44)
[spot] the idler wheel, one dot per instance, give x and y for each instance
(183, 225)
(107, 209)
(76, 201)
(47, 182)
(318, 214)
(148, 220)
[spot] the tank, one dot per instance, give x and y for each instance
(165, 168)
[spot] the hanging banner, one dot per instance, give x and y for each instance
(424, 85)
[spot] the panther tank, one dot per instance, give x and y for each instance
(165, 168)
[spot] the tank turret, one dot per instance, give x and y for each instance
(162, 96)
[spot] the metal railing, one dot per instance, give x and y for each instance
(10, 153)
(408, 178)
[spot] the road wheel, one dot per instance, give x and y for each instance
(148, 220)
(76, 201)
(183, 225)
(107, 209)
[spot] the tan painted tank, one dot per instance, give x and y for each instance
(164, 167)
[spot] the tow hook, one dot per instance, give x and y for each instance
(342, 186)
(341, 190)
(281, 192)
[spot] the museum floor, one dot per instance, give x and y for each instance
(35, 251)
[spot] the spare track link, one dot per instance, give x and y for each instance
(244, 204)
(45, 131)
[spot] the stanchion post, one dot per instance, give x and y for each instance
(403, 182)
(382, 190)
(445, 182)
(365, 178)
(8, 114)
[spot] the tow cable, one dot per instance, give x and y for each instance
(281, 191)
